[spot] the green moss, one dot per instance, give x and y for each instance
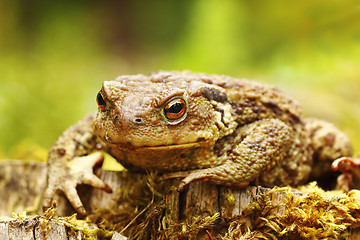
(315, 214)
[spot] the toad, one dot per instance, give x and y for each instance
(196, 127)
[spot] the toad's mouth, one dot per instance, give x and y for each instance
(129, 147)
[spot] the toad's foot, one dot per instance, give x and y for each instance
(208, 174)
(67, 176)
(350, 168)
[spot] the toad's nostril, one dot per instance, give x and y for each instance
(138, 120)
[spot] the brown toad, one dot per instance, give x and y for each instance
(194, 126)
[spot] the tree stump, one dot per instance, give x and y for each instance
(142, 207)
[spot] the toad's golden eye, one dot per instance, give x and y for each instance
(101, 101)
(175, 109)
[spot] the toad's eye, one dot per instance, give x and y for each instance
(101, 101)
(175, 109)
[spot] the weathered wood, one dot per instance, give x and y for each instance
(34, 228)
(118, 236)
(4, 229)
(22, 184)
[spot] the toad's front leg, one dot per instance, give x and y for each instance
(265, 143)
(70, 163)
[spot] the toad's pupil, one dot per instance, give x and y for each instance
(176, 107)
(100, 100)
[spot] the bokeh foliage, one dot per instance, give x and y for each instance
(55, 54)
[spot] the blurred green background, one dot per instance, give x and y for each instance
(54, 56)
